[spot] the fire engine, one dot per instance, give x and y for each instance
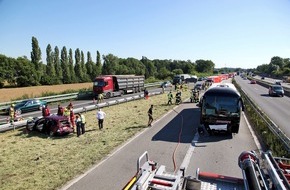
(263, 172)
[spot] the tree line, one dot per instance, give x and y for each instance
(278, 67)
(63, 66)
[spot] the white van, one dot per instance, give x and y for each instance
(184, 76)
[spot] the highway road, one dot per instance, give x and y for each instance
(276, 108)
(210, 153)
(270, 80)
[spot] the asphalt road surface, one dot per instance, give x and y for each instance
(217, 153)
(276, 108)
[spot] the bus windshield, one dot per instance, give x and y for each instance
(99, 83)
(221, 106)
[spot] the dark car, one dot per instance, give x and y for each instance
(253, 82)
(278, 82)
(276, 90)
(191, 80)
(52, 125)
(28, 106)
(166, 84)
(201, 79)
(198, 86)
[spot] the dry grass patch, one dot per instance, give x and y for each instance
(8, 94)
(33, 161)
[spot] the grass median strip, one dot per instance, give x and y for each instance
(34, 161)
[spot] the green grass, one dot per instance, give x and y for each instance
(33, 161)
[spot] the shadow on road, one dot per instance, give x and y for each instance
(214, 138)
(183, 125)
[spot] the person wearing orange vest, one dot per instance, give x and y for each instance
(45, 111)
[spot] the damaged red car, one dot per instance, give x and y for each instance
(51, 125)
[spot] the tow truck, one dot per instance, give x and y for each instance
(263, 172)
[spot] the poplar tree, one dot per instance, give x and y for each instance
(98, 64)
(85, 77)
(58, 69)
(65, 66)
(73, 78)
(89, 66)
(78, 67)
(36, 60)
(50, 75)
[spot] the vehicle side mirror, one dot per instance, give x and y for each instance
(241, 103)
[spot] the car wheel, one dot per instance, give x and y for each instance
(51, 133)
(108, 95)
(18, 112)
(122, 93)
(29, 127)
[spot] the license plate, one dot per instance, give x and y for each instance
(222, 121)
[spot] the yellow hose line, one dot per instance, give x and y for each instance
(131, 183)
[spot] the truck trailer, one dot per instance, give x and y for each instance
(117, 85)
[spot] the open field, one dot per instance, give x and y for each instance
(34, 161)
(8, 94)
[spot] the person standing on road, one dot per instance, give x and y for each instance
(100, 98)
(60, 110)
(45, 111)
(70, 110)
(101, 116)
(11, 113)
(83, 119)
(150, 114)
(78, 124)
(170, 97)
(146, 93)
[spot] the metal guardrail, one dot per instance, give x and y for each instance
(62, 97)
(271, 125)
(22, 123)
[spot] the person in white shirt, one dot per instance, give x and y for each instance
(100, 116)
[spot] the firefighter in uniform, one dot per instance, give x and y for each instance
(12, 113)
(170, 97)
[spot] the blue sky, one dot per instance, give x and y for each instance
(231, 33)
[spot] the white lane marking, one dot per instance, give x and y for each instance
(189, 152)
(253, 134)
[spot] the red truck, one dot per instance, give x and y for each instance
(117, 85)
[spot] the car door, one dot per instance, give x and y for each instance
(28, 106)
(39, 125)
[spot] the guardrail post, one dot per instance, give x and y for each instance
(12, 123)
